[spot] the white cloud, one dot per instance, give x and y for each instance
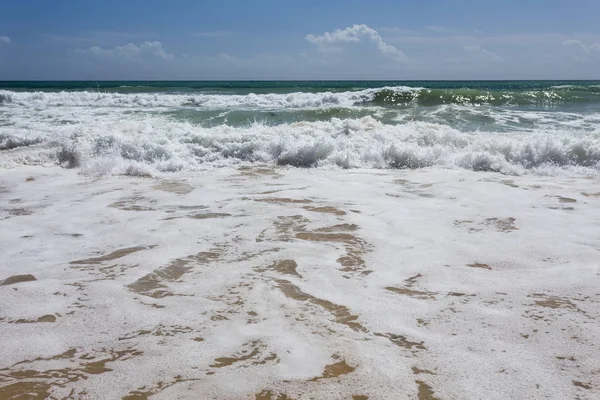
(472, 49)
(5, 41)
(145, 51)
(484, 53)
(355, 34)
(580, 45)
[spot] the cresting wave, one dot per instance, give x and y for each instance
(153, 144)
(215, 101)
(539, 97)
(385, 96)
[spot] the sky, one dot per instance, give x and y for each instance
(299, 40)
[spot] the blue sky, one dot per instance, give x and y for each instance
(290, 39)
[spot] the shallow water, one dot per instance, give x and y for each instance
(430, 284)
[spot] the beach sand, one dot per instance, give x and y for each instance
(283, 283)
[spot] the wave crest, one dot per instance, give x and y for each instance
(385, 96)
(161, 145)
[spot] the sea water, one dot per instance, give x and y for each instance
(299, 240)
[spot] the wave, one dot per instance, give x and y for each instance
(386, 96)
(213, 101)
(154, 145)
(579, 88)
(434, 97)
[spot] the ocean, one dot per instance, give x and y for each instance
(300, 240)
(512, 127)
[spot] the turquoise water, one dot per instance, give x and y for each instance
(511, 93)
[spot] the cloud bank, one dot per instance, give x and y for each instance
(354, 52)
(145, 51)
(586, 48)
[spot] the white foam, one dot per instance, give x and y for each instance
(209, 101)
(481, 335)
(112, 133)
(154, 143)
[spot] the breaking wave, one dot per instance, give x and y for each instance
(214, 101)
(386, 96)
(155, 144)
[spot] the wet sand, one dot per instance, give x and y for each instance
(275, 283)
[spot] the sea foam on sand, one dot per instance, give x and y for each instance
(264, 283)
